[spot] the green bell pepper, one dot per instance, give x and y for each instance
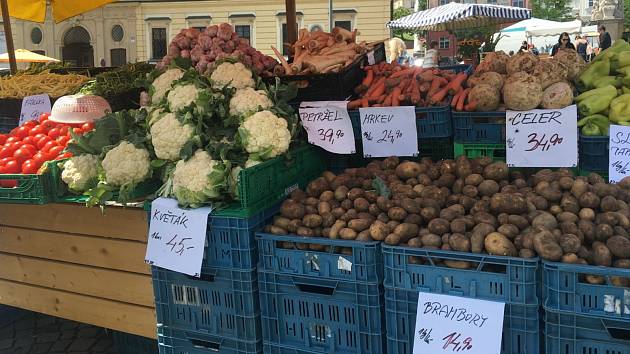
(607, 80)
(594, 71)
(596, 104)
(620, 109)
(606, 90)
(590, 129)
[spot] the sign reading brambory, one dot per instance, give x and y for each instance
(453, 324)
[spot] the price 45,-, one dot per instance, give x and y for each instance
(329, 134)
(176, 244)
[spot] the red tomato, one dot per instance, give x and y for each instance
(3, 138)
(63, 140)
(42, 141)
(64, 130)
(77, 131)
(30, 147)
(5, 152)
(65, 155)
(12, 167)
(49, 145)
(39, 158)
(22, 155)
(22, 132)
(44, 117)
(37, 130)
(39, 136)
(29, 167)
(30, 124)
(86, 127)
(12, 139)
(29, 140)
(14, 145)
(54, 133)
(55, 151)
(48, 125)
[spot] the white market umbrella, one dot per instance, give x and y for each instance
(554, 29)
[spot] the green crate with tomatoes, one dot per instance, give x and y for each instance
(28, 172)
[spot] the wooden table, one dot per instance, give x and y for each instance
(77, 263)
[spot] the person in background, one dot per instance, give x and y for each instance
(524, 47)
(511, 53)
(563, 42)
(604, 38)
(533, 49)
(581, 45)
(431, 57)
(590, 52)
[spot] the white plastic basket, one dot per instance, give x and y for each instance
(76, 109)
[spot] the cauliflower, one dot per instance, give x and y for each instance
(248, 101)
(265, 134)
(198, 179)
(126, 164)
(169, 136)
(233, 178)
(181, 96)
(154, 115)
(164, 82)
(234, 75)
(80, 172)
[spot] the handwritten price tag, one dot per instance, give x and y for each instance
(452, 324)
(542, 138)
(176, 237)
(389, 131)
(619, 153)
(328, 125)
(33, 107)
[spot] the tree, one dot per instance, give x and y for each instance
(553, 10)
(405, 34)
(626, 15)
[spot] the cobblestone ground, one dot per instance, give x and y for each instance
(25, 332)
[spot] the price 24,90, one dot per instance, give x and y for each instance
(387, 136)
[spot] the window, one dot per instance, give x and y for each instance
(244, 31)
(444, 2)
(445, 43)
(200, 28)
(285, 35)
(158, 43)
(40, 52)
(36, 35)
(518, 3)
(118, 56)
(344, 24)
(590, 3)
(492, 2)
(118, 33)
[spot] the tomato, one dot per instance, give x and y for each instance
(65, 155)
(6, 152)
(22, 155)
(37, 130)
(54, 133)
(49, 145)
(64, 130)
(86, 127)
(48, 125)
(22, 132)
(40, 158)
(12, 139)
(12, 167)
(30, 124)
(77, 131)
(14, 145)
(30, 148)
(3, 138)
(55, 151)
(44, 117)
(29, 140)
(42, 141)
(63, 140)
(29, 167)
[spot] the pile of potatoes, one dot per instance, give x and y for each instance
(468, 206)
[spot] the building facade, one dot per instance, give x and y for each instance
(129, 31)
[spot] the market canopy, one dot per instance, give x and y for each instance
(35, 10)
(554, 29)
(454, 16)
(26, 56)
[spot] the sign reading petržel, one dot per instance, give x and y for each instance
(328, 125)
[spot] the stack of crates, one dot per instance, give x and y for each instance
(319, 295)
(593, 154)
(583, 317)
(513, 281)
(479, 134)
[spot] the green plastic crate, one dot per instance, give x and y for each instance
(494, 151)
(31, 189)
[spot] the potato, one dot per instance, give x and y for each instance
(305, 231)
(445, 238)
(470, 191)
(298, 195)
(374, 210)
(406, 231)
(459, 242)
(621, 231)
(496, 171)
(323, 207)
(510, 231)
(488, 188)
(474, 179)
(487, 218)
(361, 204)
(383, 218)
(457, 264)
(449, 214)
(413, 219)
(587, 214)
(415, 242)
(392, 239)
(567, 217)
(570, 203)
(565, 183)
(609, 203)
(570, 243)
(390, 163)
(281, 222)
(508, 203)
(291, 209)
(317, 187)
(588, 229)
(619, 246)
(545, 220)
(546, 246)
(458, 226)
(355, 193)
(595, 279)
(293, 225)
(384, 204)
(327, 196)
(570, 258)
(359, 225)
(338, 212)
(341, 193)
(569, 228)
(336, 228)
(347, 234)
(601, 254)
(603, 232)
(364, 236)
(589, 200)
(446, 247)
(410, 205)
(347, 204)
(277, 230)
(397, 213)
(519, 221)
(526, 253)
(579, 187)
(409, 169)
(439, 226)
(497, 244)
(431, 240)
(379, 230)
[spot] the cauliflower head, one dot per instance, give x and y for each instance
(169, 136)
(163, 83)
(80, 172)
(265, 134)
(181, 96)
(234, 75)
(198, 179)
(126, 164)
(248, 101)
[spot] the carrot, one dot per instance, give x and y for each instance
(424, 87)
(378, 90)
(455, 99)
(379, 82)
(415, 92)
(440, 95)
(456, 83)
(471, 106)
(400, 73)
(369, 77)
(435, 86)
(396, 97)
(354, 104)
(388, 100)
(365, 102)
(462, 99)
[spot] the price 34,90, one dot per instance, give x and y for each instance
(543, 143)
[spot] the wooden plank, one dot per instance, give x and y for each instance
(122, 223)
(80, 249)
(139, 320)
(87, 280)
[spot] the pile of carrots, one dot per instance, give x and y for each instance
(391, 84)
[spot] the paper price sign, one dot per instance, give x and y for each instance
(389, 131)
(452, 324)
(618, 153)
(328, 126)
(33, 107)
(542, 137)
(176, 237)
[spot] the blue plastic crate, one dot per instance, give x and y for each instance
(126, 343)
(467, 68)
(593, 152)
(366, 263)
(222, 303)
(310, 315)
(479, 127)
(176, 341)
(431, 122)
(568, 333)
(566, 290)
(506, 279)
(7, 124)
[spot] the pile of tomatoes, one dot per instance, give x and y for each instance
(25, 149)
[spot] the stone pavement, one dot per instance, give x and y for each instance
(25, 332)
